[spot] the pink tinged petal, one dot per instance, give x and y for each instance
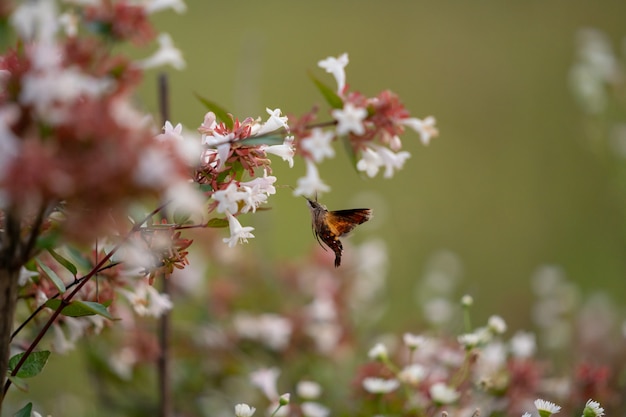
(319, 144)
(311, 184)
(238, 233)
(167, 54)
(426, 128)
(336, 67)
(275, 122)
(350, 119)
(370, 162)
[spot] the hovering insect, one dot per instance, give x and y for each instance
(329, 226)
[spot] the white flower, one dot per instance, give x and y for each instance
(264, 183)
(469, 340)
(336, 67)
(36, 20)
(350, 119)
(467, 300)
(426, 128)
(285, 150)
(167, 54)
(546, 408)
(313, 409)
(238, 233)
(412, 341)
(527, 414)
(523, 344)
(311, 184)
(412, 374)
(147, 301)
(244, 410)
(378, 352)
(253, 198)
(308, 390)
(275, 122)
(496, 324)
(380, 385)
(593, 409)
(370, 162)
(178, 6)
(122, 362)
(265, 379)
(318, 144)
(25, 276)
(228, 198)
(443, 394)
(391, 160)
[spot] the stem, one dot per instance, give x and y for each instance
(163, 361)
(65, 301)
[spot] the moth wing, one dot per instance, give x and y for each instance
(343, 221)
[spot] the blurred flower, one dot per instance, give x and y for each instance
(318, 144)
(314, 409)
(36, 20)
(167, 54)
(178, 6)
(378, 352)
(244, 410)
(443, 394)
(426, 128)
(146, 300)
(311, 184)
(412, 374)
(380, 385)
(390, 160)
(271, 329)
(593, 409)
(350, 119)
(308, 390)
(336, 67)
(122, 362)
(546, 408)
(370, 162)
(265, 379)
(523, 344)
(467, 300)
(469, 340)
(412, 341)
(496, 324)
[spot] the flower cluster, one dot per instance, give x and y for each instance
(371, 126)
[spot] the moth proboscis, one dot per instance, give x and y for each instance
(329, 226)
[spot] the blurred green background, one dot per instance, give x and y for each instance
(512, 182)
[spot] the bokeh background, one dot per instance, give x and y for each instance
(518, 178)
(515, 180)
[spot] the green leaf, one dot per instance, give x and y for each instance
(33, 365)
(217, 222)
(56, 280)
(65, 262)
(350, 152)
(329, 94)
(48, 240)
(80, 308)
(263, 140)
(24, 411)
(205, 188)
(221, 114)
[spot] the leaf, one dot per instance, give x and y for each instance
(263, 140)
(56, 280)
(24, 411)
(20, 383)
(217, 222)
(33, 365)
(221, 114)
(350, 152)
(48, 240)
(329, 94)
(65, 262)
(80, 308)
(181, 216)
